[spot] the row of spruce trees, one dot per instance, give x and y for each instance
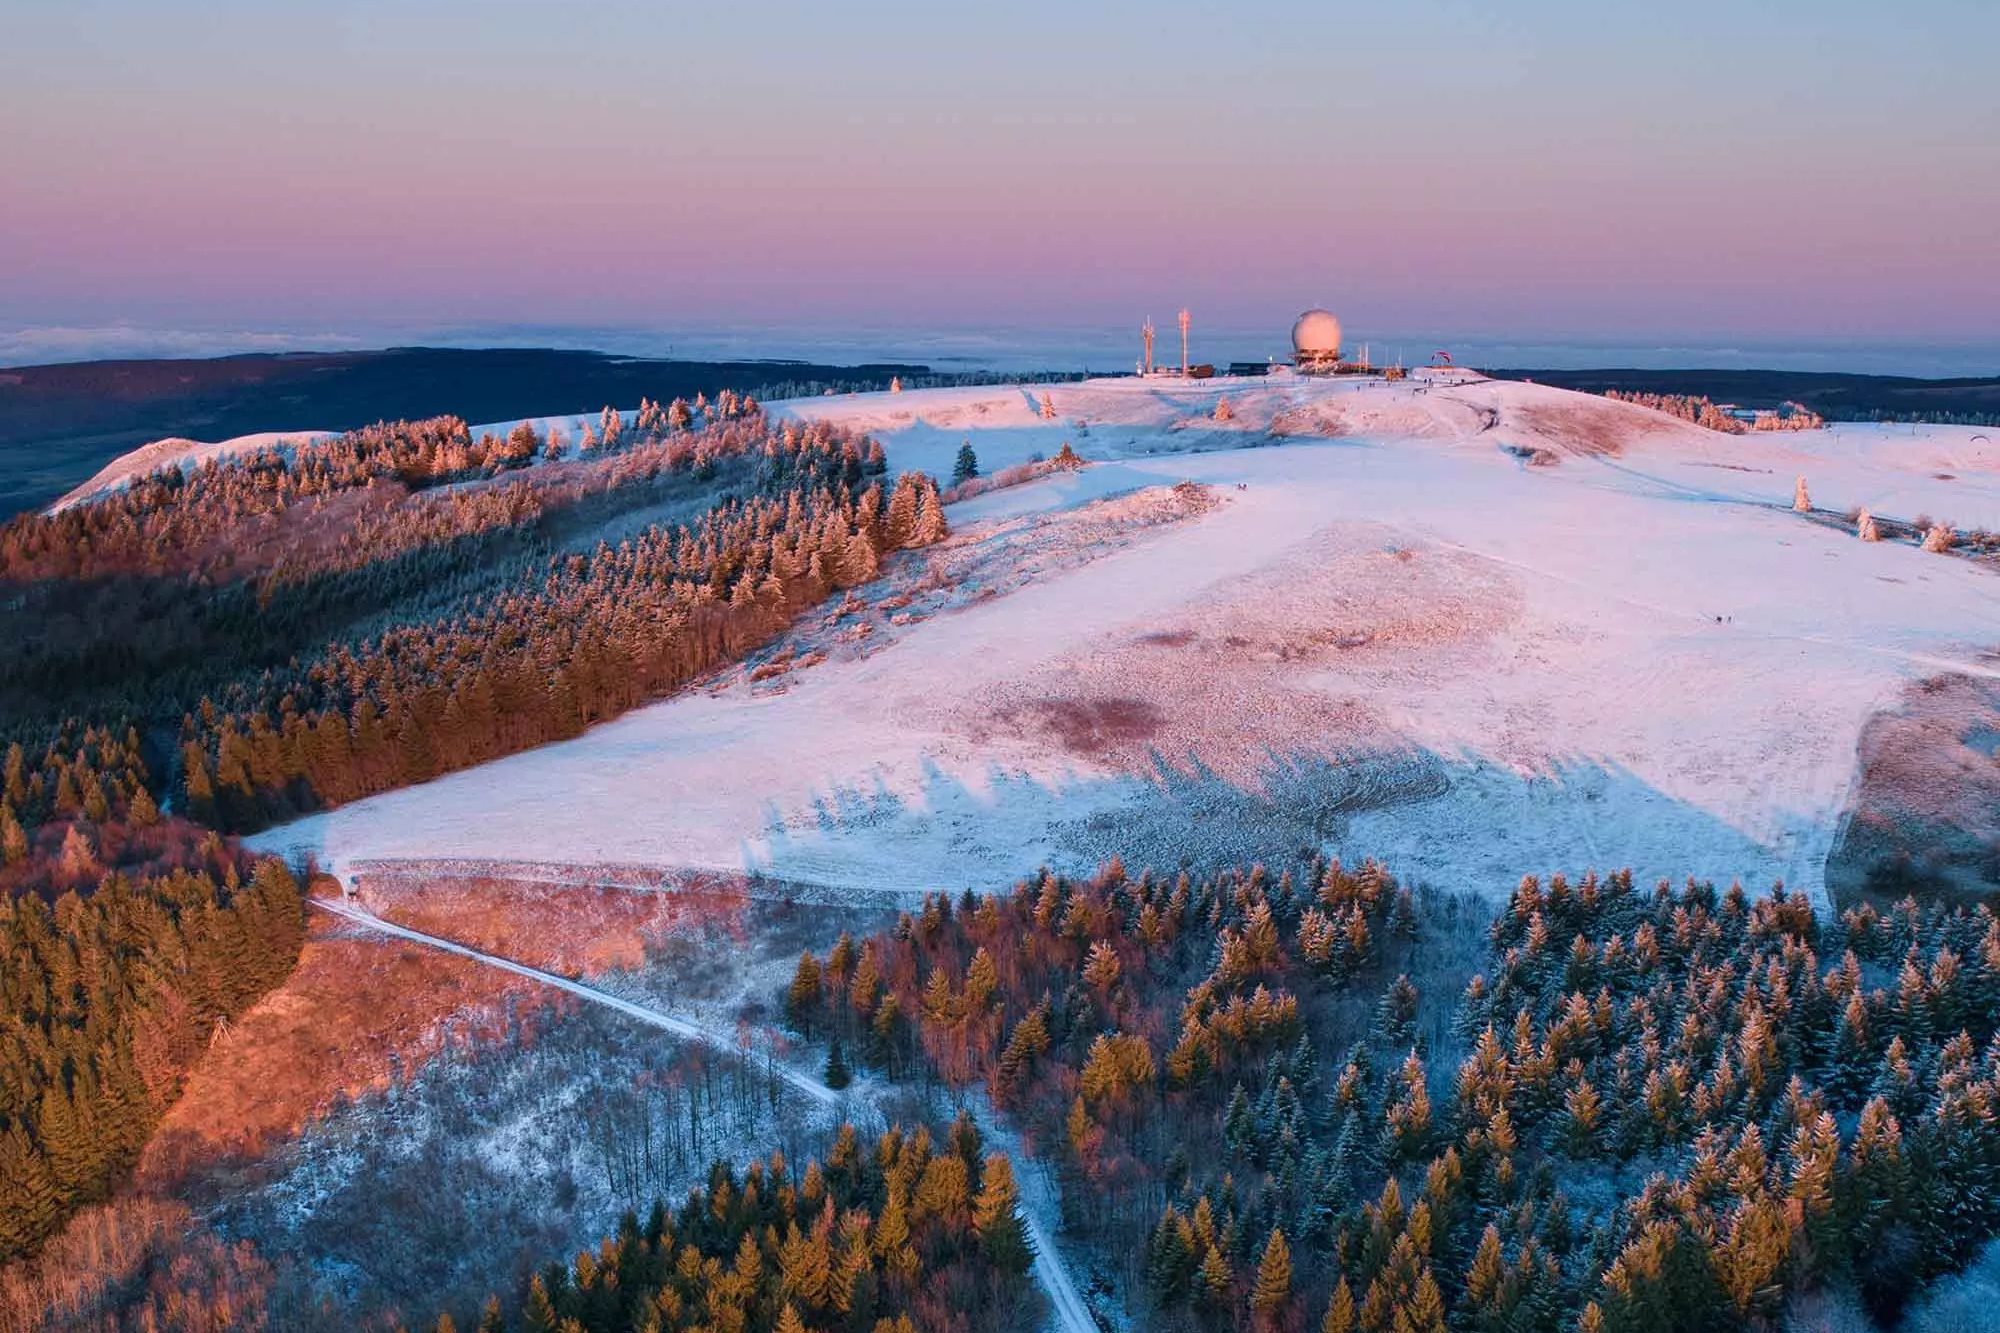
(899, 1236)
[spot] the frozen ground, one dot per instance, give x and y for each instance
(1477, 629)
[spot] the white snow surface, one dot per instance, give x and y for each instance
(1390, 634)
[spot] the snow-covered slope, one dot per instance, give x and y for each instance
(189, 454)
(1477, 629)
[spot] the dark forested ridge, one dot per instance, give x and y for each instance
(1837, 397)
(60, 423)
(1316, 1102)
(202, 653)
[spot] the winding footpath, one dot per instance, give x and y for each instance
(1037, 1206)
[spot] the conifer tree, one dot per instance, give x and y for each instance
(538, 1315)
(1216, 1280)
(966, 466)
(1340, 1312)
(837, 1075)
(1272, 1295)
(931, 527)
(802, 998)
(996, 1217)
(13, 838)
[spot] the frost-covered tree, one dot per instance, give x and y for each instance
(1939, 539)
(1865, 528)
(1801, 501)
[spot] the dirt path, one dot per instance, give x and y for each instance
(1038, 1205)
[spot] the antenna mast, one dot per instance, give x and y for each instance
(1184, 332)
(1146, 335)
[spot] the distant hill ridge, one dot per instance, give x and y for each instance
(1837, 397)
(60, 423)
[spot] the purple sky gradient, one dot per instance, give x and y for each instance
(1776, 169)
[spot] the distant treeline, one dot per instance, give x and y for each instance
(1836, 397)
(779, 389)
(1704, 413)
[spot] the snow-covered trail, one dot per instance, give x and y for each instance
(1039, 1199)
(811, 1087)
(1037, 1206)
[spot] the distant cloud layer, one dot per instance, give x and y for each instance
(48, 345)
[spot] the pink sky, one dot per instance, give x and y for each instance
(1810, 170)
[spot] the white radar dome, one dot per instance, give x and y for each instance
(1316, 331)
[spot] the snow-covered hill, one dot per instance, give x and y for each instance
(188, 455)
(1477, 629)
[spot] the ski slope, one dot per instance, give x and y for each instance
(1476, 629)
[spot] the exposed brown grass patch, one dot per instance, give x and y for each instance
(565, 927)
(1926, 808)
(1595, 428)
(1092, 727)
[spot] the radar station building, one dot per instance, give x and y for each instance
(1316, 343)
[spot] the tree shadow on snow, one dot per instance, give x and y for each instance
(1455, 822)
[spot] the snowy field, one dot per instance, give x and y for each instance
(1475, 629)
